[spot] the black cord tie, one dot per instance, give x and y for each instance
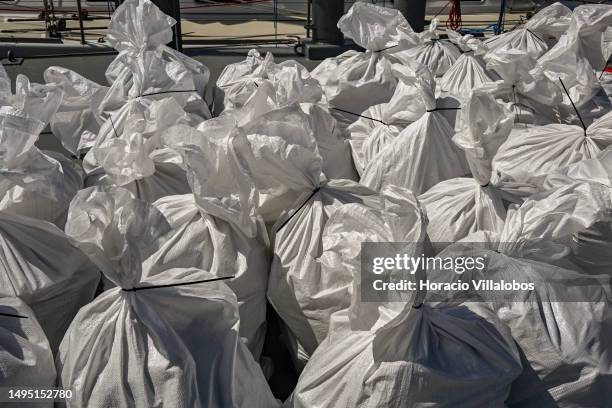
(315, 191)
(113, 125)
(387, 48)
(442, 109)
(535, 35)
(361, 116)
(170, 285)
(167, 92)
(485, 185)
(516, 115)
(574, 106)
(13, 315)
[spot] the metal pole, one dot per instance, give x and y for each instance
(172, 8)
(414, 11)
(81, 22)
(325, 16)
(500, 21)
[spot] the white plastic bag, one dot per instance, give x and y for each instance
(591, 247)
(303, 289)
(145, 67)
(238, 81)
(469, 70)
(533, 37)
(532, 97)
(530, 154)
(398, 354)
(355, 81)
(380, 124)
(40, 266)
(134, 157)
(177, 341)
(436, 54)
(423, 154)
(457, 207)
(78, 111)
(25, 356)
(209, 230)
(563, 325)
(33, 183)
(579, 53)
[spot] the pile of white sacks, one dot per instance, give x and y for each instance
(187, 219)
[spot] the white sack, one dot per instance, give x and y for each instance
(593, 246)
(380, 124)
(354, 81)
(208, 230)
(33, 183)
(40, 266)
(399, 354)
(25, 356)
(301, 289)
(579, 53)
(78, 111)
(532, 38)
(530, 154)
(469, 70)
(134, 156)
(147, 68)
(460, 206)
(532, 97)
(564, 324)
(436, 54)
(169, 343)
(238, 81)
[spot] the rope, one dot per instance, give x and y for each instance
(171, 285)
(454, 15)
(442, 109)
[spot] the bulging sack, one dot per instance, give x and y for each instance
(79, 110)
(25, 356)
(457, 207)
(33, 183)
(435, 53)
(534, 37)
(562, 324)
(423, 154)
(213, 229)
(303, 288)
(405, 353)
(180, 337)
(469, 70)
(40, 266)
(354, 81)
(529, 154)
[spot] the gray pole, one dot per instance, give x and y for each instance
(172, 8)
(414, 11)
(325, 16)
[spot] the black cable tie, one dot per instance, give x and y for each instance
(13, 315)
(167, 92)
(442, 109)
(113, 125)
(535, 35)
(315, 191)
(574, 106)
(170, 285)
(387, 48)
(485, 185)
(361, 116)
